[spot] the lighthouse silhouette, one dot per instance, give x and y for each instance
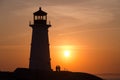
(40, 54)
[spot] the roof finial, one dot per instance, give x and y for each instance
(40, 8)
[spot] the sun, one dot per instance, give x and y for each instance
(67, 53)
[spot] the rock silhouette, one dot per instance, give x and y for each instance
(26, 74)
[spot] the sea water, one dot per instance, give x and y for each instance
(110, 77)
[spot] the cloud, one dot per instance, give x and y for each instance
(12, 5)
(61, 2)
(1, 2)
(97, 12)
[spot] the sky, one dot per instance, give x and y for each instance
(88, 29)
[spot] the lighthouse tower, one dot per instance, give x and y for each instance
(39, 54)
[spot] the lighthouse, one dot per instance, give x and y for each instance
(40, 54)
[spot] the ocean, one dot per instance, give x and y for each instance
(112, 79)
(110, 76)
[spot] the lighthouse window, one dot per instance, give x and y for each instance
(36, 17)
(44, 17)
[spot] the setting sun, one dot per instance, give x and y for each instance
(66, 53)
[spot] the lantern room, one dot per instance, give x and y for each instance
(40, 17)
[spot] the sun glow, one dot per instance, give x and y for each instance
(66, 53)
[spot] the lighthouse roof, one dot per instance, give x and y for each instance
(40, 12)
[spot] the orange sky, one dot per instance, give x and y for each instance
(88, 29)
